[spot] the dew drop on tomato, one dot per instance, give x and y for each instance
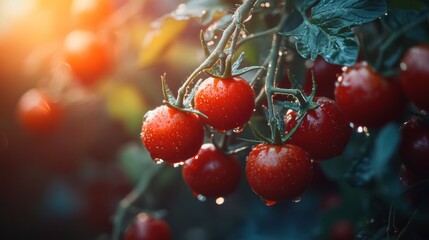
(178, 164)
(220, 200)
(269, 203)
(158, 160)
(238, 129)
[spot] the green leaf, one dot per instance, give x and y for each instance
(398, 18)
(328, 29)
(385, 147)
(360, 173)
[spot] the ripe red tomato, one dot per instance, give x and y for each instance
(415, 75)
(326, 75)
(228, 103)
(211, 173)
(342, 230)
(278, 172)
(38, 113)
(414, 147)
(324, 132)
(88, 57)
(368, 99)
(147, 227)
(90, 14)
(171, 135)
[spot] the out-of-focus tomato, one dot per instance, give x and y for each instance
(38, 113)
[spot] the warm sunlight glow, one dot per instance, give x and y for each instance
(76, 41)
(13, 10)
(82, 5)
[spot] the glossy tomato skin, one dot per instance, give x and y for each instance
(90, 14)
(415, 75)
(368, 99)
(147, 227)
(278, 172)
(228, 103)
(89, 58)
(171, 135)
(325, 75)
(324, 132)
(414, 147)
(211, 173)
(38, 113)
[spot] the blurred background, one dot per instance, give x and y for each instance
(62, 175)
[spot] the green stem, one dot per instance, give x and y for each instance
(128, 202)
(258, 35)
(242, 10)
(294, 92)
(269, 85)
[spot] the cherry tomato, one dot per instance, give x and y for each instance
(171, 135)
(414, 147)
(88, 57)
(147, 227)
(278, 172)
(325, 75)
(415, 75)
(368, 99)
(228, 103)
(90, 14)
(38, 112)
(324, 132)
(211, 173)
(342, 230)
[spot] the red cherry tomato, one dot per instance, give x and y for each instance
(415, 75)
(171, 135)
(414, 147)
(278, 172)
(38, 112)
(90, 14)
(342, 230)
(368, 99)
(211, 173)
(88, 57)
(228, 103)
(147, 227)
(324, 132)
(325, 75)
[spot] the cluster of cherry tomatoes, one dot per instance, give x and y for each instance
(349, 98)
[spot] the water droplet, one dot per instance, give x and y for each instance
(296, 200)
(201, 198)
(238, 129)
(269, 203)
(158, 160)
(220, 200)
(178, 164)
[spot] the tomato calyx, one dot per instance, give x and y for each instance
(172, 102)
(302, 105)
